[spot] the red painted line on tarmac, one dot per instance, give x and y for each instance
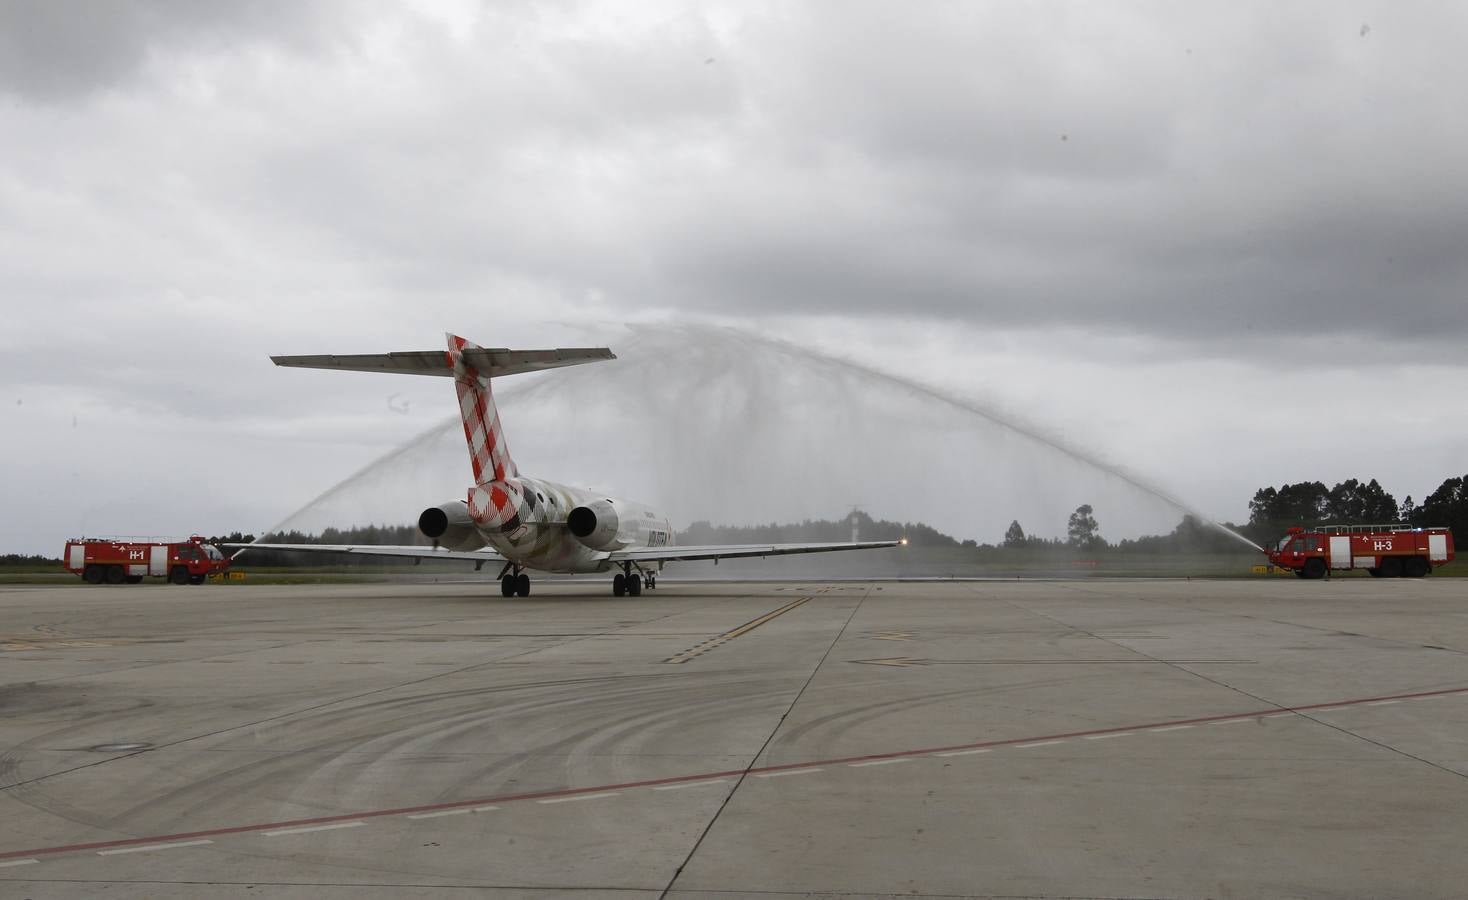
(700, 776)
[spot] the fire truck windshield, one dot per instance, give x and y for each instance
(213, 552)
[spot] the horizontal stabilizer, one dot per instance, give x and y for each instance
(489, 362)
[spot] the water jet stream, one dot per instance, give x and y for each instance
(658, 344)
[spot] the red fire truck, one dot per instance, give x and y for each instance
(1385, 551)
(99, 560)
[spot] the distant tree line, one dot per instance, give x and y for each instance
(359, 534)
(1351, 502)
(1271, 511)
(867, 528)
(27, 561)
(1083, 533)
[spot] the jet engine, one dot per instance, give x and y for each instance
(597, 526)
(451, 526)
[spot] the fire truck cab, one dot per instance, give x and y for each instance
(119, 561)
(1384, 551)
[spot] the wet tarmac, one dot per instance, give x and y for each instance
(1268, 738)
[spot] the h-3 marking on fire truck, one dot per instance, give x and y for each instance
(1383, 545)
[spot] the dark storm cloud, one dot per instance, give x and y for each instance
(1208, 175)
(1181, 174)
(55, 52)
(1221, 176)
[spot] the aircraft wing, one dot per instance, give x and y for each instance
(478, 556)
(734, 551)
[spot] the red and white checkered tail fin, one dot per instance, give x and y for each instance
(487, 451)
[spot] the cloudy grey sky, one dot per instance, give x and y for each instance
(1221, 245)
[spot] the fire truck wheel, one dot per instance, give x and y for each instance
(196, 579)
(1374, 573)
(115, 575)
(134, 579)
(1391, 567)
(93, 574)
(178, 575)
(1314, 568)
(1417, 567)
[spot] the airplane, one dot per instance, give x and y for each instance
(530, 523)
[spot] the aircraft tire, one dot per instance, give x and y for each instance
(507, 586)
(619, 584)
(522, 585)
(93, 574)
(634, 585)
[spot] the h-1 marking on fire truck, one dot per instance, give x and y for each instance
(99, 560)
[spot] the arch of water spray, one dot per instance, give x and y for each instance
(718, 423)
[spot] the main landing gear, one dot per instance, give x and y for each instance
(514, 582)
(630, 582)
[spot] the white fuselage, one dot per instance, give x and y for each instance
(535, 533)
